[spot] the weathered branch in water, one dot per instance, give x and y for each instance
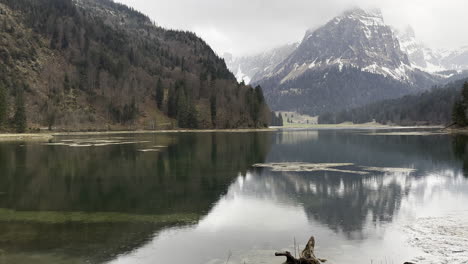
(307, 256)
(289, 257)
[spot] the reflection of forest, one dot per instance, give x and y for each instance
(347, 203)
(187, 177)
(460, 144)
(193, 172)
(425, 153)
(295, 137)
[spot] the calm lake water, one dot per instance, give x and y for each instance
(197, 198)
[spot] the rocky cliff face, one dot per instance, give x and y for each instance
(430, 60)
(357, 39)
(456, 59)
(253, 68)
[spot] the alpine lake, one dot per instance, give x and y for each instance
(367, 195)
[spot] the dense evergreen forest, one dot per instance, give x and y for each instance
(96, 64)
(276, 119)
(433, 107)
(460, 108)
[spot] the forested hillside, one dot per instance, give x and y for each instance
(433, 107)
(95, 64)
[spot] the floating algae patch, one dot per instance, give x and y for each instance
(407, 133)
(55, 144)
(149, 150)
(94, 142)
(308, 167)
(49, 217)
(383, 169)
(79, 145)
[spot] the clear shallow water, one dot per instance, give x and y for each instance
(195, 198)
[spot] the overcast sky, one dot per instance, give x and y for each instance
(244, 27)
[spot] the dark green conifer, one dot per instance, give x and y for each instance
(159, 94)
(20, 113)
(3, 106)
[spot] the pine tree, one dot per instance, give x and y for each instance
(182, 115)
(460, 107)
(171, 104)
(213, 109)
(54, 39)
(257, 104)
(159, 94)
(3, 106)
(20, 113)
(458, 114)
(65, 42)
(465, 94)
(66, 83)
(191, 121)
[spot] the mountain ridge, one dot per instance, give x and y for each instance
(359, 45)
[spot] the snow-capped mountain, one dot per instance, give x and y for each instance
(456, 59)
(352, 60)
(431, 60)
(253, 68)
(419, 54)
(357, 39)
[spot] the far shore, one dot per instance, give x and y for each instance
(349, 125)
(46, 136)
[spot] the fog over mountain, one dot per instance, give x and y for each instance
(354, 59)
(325, 56)
(246, 27)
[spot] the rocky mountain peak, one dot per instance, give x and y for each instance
(368, 17)
(358, 38)
(352, 60)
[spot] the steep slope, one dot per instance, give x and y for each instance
(432, 107)
(95, 64)
(456, 59)
(434, 61)
(253, 68)
(353, 60)
(419, 55)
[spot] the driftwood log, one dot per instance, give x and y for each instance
(307, 256)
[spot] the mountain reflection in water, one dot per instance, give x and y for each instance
(230, 206)
(362, 217)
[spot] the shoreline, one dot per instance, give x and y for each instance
(46, 136)
(357, 126)
(26, 137)
(455, 131)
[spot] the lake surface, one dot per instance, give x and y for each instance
(372, 196)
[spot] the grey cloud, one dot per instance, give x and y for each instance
(249, 26)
